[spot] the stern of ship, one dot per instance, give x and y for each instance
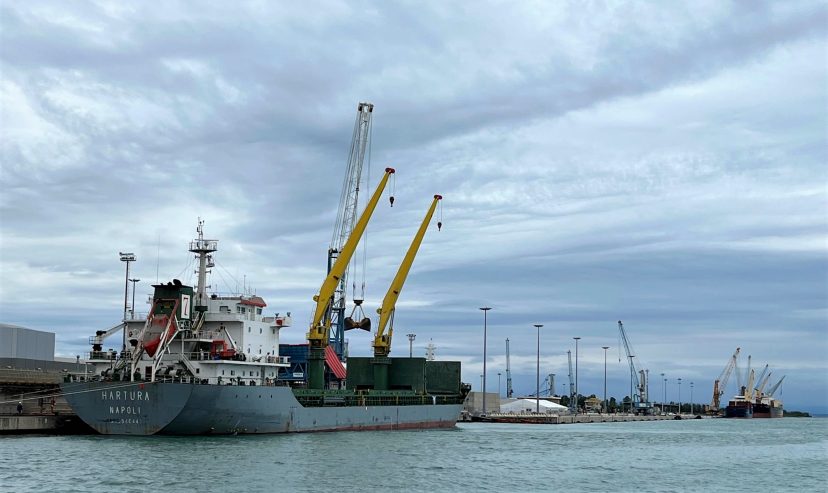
(126, 408)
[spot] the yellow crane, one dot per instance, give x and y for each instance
(382, 340)
(720, 383)
(320, 325)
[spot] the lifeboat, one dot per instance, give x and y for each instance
(151, 347)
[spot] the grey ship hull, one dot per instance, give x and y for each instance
(133, 408)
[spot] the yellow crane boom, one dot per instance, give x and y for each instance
(320, 325)
(382, 341)
(720, 383)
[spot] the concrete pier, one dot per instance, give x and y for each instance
(57, 424)
(554, 419)
(28, 424)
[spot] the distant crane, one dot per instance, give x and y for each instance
(508, 373)
(760, 388)
(638, 378)
(345, 220)
(720, 384)
(773, 389)
(759, 379)
(746, 390)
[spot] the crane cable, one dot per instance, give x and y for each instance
(440, 221)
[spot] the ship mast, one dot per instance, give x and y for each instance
(202, 248)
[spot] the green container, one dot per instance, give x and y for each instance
(442, 377)
(360, 373)
(407, 374)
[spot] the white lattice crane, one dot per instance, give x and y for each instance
(345, 220)
(638, 378)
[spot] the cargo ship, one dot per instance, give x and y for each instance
(202, 364)
(754, 402)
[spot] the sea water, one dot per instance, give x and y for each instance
(767, 455)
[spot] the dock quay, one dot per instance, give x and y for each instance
(43, 409)
(556, 419)
(42, 424)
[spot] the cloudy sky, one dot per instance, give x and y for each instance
(661, 164)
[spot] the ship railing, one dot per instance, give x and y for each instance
(207, 356)
(137, 316)
(233, 381)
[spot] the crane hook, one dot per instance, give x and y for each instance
(439, 225)
(391, 199)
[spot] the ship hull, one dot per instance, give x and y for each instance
(740, 411)
(767, 411)
(189, 409)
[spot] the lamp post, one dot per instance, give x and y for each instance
(537, 375)
(133, 281)
(664, 398)
(485, 312)
(126, 257)
(498, 385)
(411, 338)
(576, 373)
(481, 383)
(606, 406)
(632, 374)
(647, 385)
(691, 397)
(679, 396)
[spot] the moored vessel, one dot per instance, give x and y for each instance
(209, 364)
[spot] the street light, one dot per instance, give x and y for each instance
(126, 257)
(691, 397)
(576, 373)
(679, 396)
(498, 385)
(485, 312)
(647, 385)
(133, 281)
(411, 338)
(537, 376)
(606, 406)
(664, 398)
(632, 374)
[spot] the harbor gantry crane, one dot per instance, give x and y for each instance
(344, 226)
(720, 384)
(508, 373)
(382, 340)
(320, 326)
(638, 378)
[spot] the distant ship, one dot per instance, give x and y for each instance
(200, 364)
(757, 404)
